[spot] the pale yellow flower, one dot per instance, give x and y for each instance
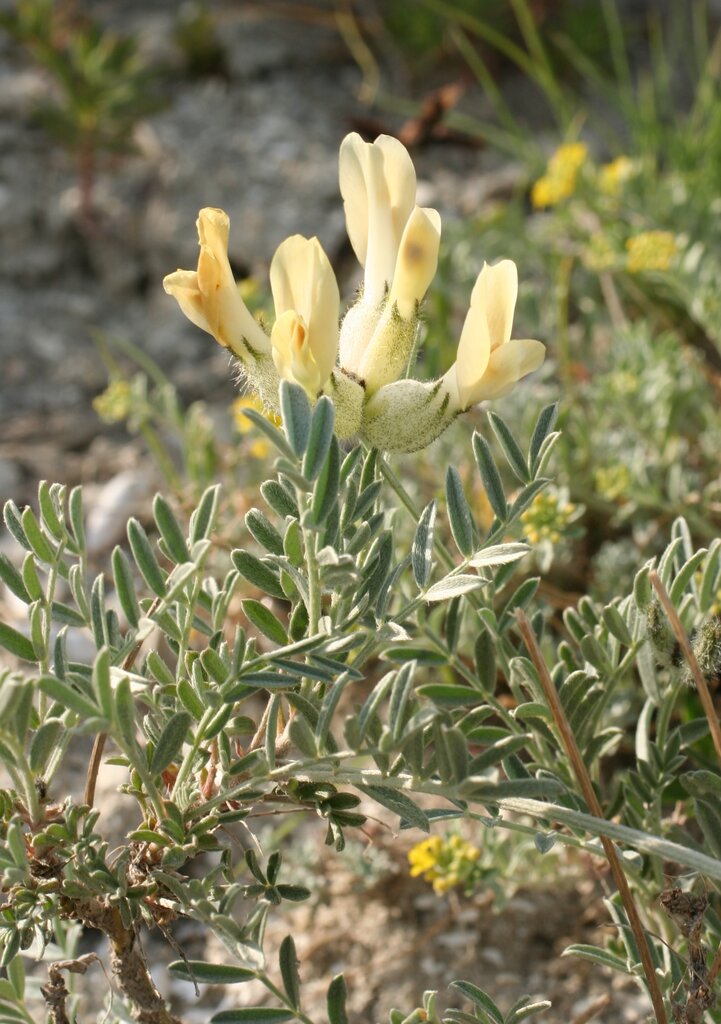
(397, 243)
(650, 250)
(304, 338)
(209, 296)
(489, 362)
(378, 185)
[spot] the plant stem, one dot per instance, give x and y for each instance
(589, 795)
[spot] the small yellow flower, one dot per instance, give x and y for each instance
(559, 181)
(445, 863)
(113, 404)
(547, 518)
(650, 250)
(424, 855)
(614, 175)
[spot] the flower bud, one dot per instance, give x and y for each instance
(407, 415)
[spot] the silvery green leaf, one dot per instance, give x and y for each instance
(170, 741)
(325, 492)
(13, 580)
(68, 696)
(145, 558)
(459, 512)
(453, 586)
(252, 1015)
(499, 554)
(710, 576)
(264, 620)
(490, 476)
(125, 586)
(288, 959)
(44, 743)
(42, 548)
(17, 644)
(545, 841)
(544, 425)
(616, 624)
(170, 530)
(260, 574)
(685, 576)
(319, 438)
(484, 656)
(295, 410)
(480, 999)
(422, 551)
(511, 449)
(525, 1009)
(279, 498)
(211, 974)
(336, 1000)
(397, 801)
(263, 531)
(597, 956)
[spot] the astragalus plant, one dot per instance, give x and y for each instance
(357, 650)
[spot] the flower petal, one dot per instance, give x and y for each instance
(302, 280)
(209, 297)
(474, 348)
(378, 185)
(417, 260)
(496, 291)
(517, 358)
(183, 286)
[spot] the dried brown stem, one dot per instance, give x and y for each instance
(55, 992)
(127, 959)
(579, 768)
(698, 676)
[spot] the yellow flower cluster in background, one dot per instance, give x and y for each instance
(548, 518)
(559, 181)
(650, 250)
(445, 862)
(613, 482)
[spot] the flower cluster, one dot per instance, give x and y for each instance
(445, 862)
(548, 518)
(650, 250)
(559, 181)
(363, 364)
